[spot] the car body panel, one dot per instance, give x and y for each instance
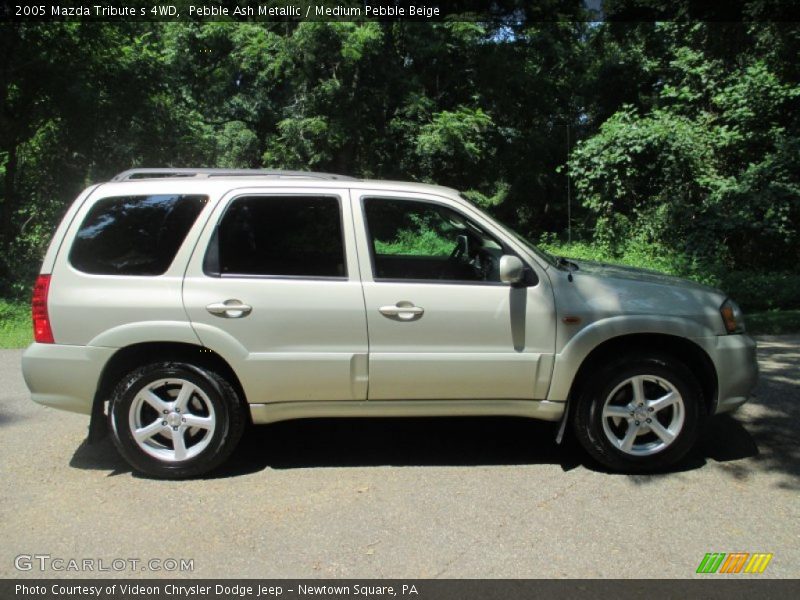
(115, 301)
(64, 377)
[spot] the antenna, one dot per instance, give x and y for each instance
(569, 195)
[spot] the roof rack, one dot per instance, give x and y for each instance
(169, 172)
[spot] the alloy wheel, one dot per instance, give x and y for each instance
(172, 419)
(643, 415)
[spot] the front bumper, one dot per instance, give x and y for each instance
(734, 358)
(64, 377)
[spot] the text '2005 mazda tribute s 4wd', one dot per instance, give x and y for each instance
(185, 304)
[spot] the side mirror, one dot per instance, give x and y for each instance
(512, 269)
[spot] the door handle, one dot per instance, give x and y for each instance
(230, 309)
(402, 310)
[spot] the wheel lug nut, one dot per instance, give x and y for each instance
(174, 429)
(163, 422)
(637, 422)
(177, 410)
(165, 411)
(650, 409)
(649, 420)
(183, 420)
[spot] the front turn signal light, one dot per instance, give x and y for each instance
(732, 317)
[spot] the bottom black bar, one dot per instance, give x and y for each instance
(721, 587)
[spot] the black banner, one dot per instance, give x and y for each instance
(405, 10)
(715, 587)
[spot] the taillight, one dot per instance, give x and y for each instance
(41, 320)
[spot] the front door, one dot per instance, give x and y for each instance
(441, 324)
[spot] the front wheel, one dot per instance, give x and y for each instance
(175, 420)
(639, 414)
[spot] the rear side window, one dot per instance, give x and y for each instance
(134, 235)
(296, 236)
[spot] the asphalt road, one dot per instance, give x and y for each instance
(406, 498)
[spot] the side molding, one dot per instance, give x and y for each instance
(284, 411)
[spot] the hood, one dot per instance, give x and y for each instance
(598, 291)
(604, 270)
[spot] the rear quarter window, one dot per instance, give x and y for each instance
(134, 235)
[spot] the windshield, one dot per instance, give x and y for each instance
(528, 244)
(546, 256)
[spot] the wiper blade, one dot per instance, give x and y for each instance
(566, 263)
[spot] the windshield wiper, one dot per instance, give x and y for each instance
(566, 263)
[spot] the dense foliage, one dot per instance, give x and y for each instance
(702, 175)
(681, 140)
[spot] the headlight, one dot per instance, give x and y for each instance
(732, 316)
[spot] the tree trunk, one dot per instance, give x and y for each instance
(9, 198)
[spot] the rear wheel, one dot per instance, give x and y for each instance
(175, 420)
(639, 414)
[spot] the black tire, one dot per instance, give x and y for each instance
(588, 421)
(226, 412)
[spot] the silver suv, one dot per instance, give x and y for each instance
(179, 305)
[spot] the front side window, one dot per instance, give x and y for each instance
(424, 241)
(296, 236)
(134, 235)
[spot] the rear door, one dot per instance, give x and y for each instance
(273, 286)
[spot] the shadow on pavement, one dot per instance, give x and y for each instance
(7, 418)
(767, 431)
(401, 442)
(310, 443)
(100, 456)
(773, 420)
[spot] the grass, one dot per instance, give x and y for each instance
(15, 324)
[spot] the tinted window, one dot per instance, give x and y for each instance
(134, 235)
(280, 235)
(424, 241)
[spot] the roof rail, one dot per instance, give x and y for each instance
(169, 172)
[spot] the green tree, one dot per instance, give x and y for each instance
(704, 173)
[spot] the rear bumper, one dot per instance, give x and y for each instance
(64, 377)
(734, 358)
